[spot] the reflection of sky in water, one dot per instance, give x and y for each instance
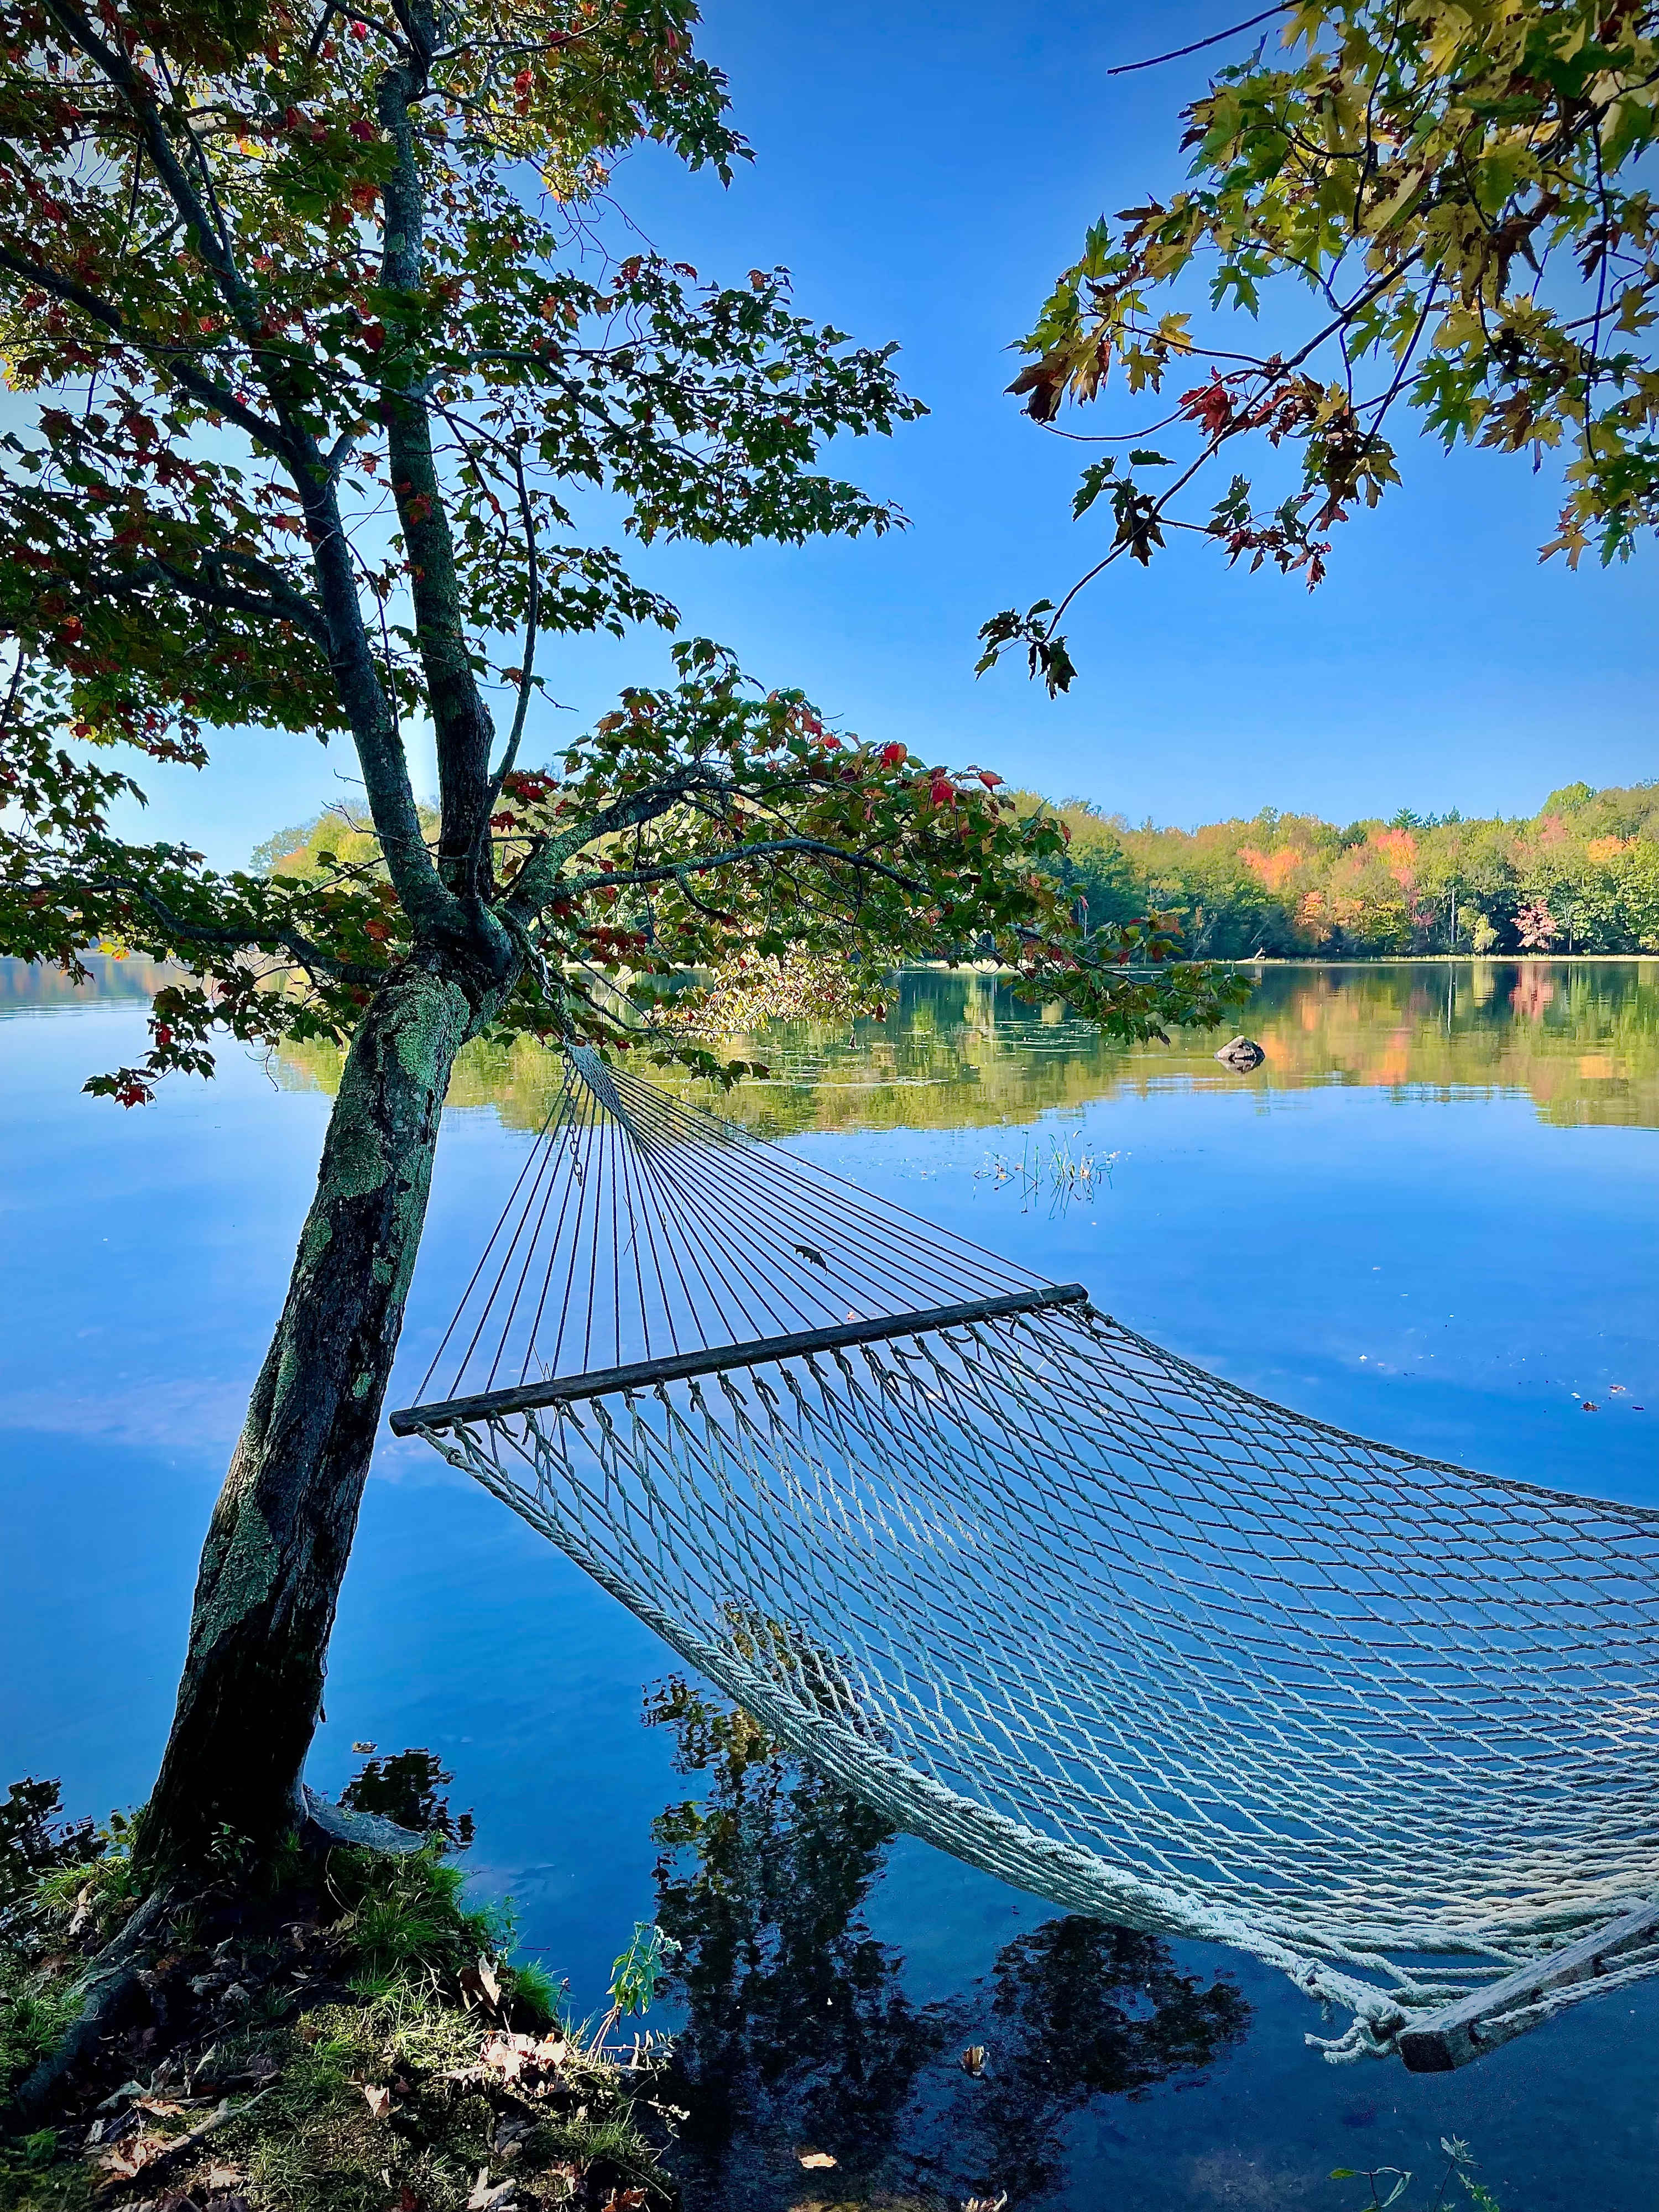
(1434, 1226)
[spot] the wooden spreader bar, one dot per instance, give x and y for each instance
(676, 1367)
(1475, 2025)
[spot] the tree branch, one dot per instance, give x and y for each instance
(531, 613)
(173, 360)
(764, 849)
(280, 604)
(461, 720)
(208, 934)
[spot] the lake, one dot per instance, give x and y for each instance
(1431, 1217)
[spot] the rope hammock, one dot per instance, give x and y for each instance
(1064, 1604)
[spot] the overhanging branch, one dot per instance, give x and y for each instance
(209, 935)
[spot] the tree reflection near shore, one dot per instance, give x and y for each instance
(798, 2039)
(1579, 1038)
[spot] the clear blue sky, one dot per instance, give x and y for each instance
(926, 169)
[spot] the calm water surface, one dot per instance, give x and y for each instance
(1432, 1216)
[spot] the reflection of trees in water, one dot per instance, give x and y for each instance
(798, 2035)
(797, 2030)
(962, 1051)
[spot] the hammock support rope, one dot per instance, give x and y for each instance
(1061, 1603)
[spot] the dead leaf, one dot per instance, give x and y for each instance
(815, 2159)
(224, 2177)
(972, 2060)
(481, 1981)
(121, 2160)
(362, 1748)
(623, 2200)
(377, 2099)
(485, 2196)
(506, 2054)
(986, 2203)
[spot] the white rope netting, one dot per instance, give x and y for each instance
(1113, 1628)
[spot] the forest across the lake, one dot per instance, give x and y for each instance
(1582, 875)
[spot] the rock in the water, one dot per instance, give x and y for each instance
(1241, 1054)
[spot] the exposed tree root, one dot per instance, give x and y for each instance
(110, 1988)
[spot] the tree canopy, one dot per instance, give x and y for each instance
(1441, 206)
(327, 371)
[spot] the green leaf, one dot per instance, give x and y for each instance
(1092, 483)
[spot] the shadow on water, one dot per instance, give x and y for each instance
(799, 2040)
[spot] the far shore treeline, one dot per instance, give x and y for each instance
(1582, 875)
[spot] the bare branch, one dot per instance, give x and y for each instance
(1177, 53)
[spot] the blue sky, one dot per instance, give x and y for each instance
(926, 170)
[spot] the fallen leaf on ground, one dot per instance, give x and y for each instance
(972, 2060)
(121, 2160)
(484, 2195)
(481, 1981)
(815, 2159)
(377, 2099)
(507, 2055)
(224, 2177)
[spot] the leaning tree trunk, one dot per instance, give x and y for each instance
(281, 1531)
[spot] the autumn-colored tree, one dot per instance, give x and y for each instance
(320, 357)
(1444, 204)
(1291, 884)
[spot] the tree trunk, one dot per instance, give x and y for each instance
(283, 1527)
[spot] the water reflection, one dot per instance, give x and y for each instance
(1580, 1038)
(799, 2037)
(28, 987)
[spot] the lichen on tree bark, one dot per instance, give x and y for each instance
(282, 1529)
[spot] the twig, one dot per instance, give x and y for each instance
(1126, 68)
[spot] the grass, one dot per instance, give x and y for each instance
(345, 2035)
